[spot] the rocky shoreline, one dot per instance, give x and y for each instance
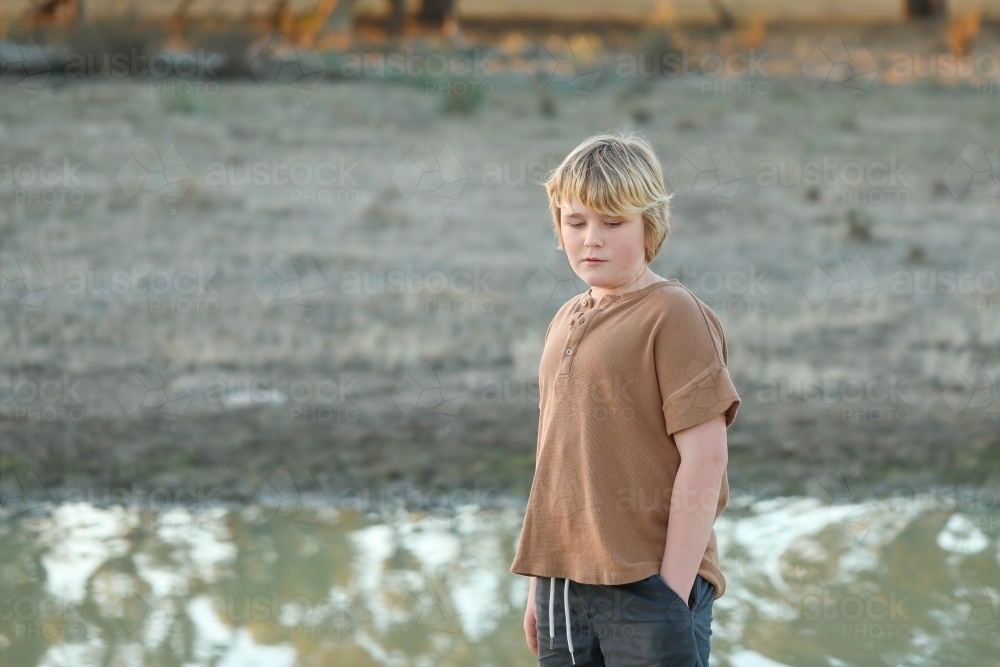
(485, 457)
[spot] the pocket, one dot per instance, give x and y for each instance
(674, 594)
(709, 588)
(677, 640)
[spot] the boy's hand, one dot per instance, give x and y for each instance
(530, 630)
(683, 592)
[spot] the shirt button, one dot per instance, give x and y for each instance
(569, 350)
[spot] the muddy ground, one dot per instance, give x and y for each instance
(169, 323)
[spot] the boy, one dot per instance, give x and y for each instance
(631, 457)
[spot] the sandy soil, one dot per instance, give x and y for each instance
(224, 285)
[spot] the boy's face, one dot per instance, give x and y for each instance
(616, 244)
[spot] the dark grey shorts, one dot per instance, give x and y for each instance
(641, 623)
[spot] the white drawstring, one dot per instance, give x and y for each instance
(569, 636)
(552, 615)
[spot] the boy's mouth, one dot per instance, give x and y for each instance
(592, 260)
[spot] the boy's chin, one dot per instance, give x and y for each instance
(600, 277)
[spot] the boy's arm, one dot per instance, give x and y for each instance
(694, 501)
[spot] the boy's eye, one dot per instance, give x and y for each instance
(611, 223)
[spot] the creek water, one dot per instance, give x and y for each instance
(811, 583)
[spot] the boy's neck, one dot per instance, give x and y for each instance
(643, 280)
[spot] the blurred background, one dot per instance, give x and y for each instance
(275, 277)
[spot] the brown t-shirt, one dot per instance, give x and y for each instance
(617, 380)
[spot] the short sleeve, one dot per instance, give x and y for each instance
(691, 360)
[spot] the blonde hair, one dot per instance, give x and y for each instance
(614, 174)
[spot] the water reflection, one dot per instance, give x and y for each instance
(894, 582)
